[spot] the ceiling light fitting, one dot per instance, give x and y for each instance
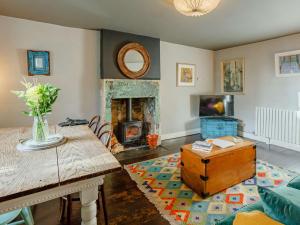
(195, 7)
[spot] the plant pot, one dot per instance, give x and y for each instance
(152, 140)
(40, 129)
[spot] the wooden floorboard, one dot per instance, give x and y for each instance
(127, 205)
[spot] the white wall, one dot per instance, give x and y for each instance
(179, 105)
(74, 59)
(262, 88)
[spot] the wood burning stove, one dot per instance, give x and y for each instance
(131, 130)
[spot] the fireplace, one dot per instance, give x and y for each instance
(130, 130)
(131, 124)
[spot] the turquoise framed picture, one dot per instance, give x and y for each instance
(38, 63)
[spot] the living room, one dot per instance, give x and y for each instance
(161, 75)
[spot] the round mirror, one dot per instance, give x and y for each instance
(134, 60)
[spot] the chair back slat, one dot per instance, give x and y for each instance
(104, 133)
(101, 128)
(94, 123)
(105, 138)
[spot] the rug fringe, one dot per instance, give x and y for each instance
(156, 201)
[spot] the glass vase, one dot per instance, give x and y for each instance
(40, 130)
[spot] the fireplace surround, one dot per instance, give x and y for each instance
(125, 89)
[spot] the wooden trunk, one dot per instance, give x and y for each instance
(210, 173)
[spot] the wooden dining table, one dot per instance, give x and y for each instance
(32, 177)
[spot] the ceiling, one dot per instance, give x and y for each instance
(233, 23)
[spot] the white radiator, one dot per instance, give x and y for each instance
(278, 124)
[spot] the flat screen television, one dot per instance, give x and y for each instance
(216, 105)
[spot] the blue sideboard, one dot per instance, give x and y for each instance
(218, 127)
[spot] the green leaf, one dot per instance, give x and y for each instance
(40, 99)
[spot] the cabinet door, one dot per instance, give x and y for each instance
(220, 126)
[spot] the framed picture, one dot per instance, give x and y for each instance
(186, 75)
(287, 64)
(233, 76)
(38, 62)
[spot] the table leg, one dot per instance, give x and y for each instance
(88, 199)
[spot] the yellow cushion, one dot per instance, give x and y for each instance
(254, 218)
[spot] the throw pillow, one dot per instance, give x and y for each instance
(295, 183)
(281, 204)
(248, 208)
(254, 218)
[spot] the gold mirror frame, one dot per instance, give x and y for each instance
(143, 51)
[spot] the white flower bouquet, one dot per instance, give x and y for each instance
(39, 99)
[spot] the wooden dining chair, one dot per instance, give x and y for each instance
(104, 134)
(25, 214)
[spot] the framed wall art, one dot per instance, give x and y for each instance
(287, 64)
(186, 75)
(233, 76)
(38, 62)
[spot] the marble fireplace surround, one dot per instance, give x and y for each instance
(126, 88)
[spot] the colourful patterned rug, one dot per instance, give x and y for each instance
(160, 180)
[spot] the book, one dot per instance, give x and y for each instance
(202, 146)
(223, 143)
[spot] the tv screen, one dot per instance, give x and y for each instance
(216, 105)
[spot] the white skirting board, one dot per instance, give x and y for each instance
(180, 134)
(243, 134)
(270, 141)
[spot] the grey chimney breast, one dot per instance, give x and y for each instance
(112, 41)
